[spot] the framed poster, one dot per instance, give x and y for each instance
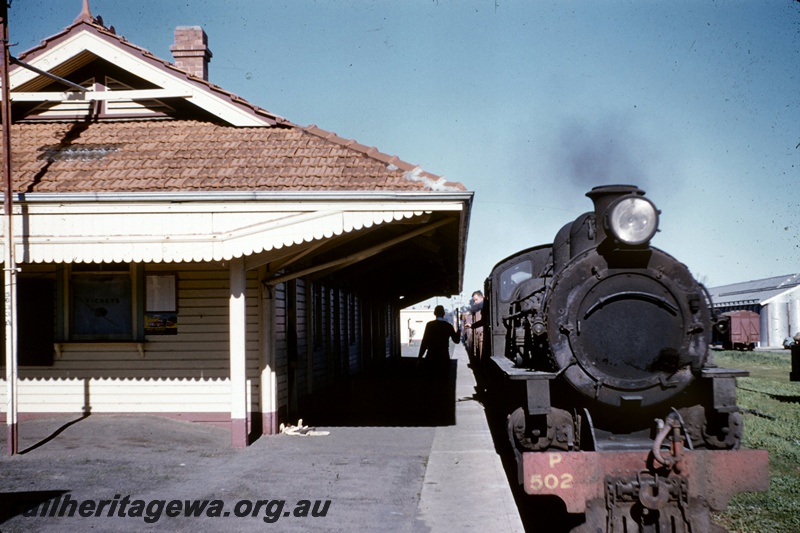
(161, 304)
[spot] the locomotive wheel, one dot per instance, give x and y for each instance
(541, 432)
(529, 433)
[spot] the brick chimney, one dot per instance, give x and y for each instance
(191, 51)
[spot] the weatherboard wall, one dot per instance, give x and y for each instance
(186, 375)
(318, 333)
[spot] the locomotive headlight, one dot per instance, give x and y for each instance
(632, 219)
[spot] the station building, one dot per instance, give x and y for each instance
(186, 253)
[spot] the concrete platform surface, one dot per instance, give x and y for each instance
(396, 458)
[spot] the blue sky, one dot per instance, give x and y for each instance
(529, 104)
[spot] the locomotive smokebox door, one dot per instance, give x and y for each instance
(624, 332)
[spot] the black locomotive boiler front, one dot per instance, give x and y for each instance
(597, 347)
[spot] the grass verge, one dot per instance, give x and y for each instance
(770, 405)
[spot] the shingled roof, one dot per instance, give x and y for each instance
(187, 155)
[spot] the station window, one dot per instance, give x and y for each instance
(103, 303)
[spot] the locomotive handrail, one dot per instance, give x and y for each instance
(709, 300)
(627, 294)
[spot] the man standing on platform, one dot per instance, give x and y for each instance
(436, 342)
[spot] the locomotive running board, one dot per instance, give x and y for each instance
(537, 384)
(578, 477)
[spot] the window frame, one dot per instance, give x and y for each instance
(65, 295)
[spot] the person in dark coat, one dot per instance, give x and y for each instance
(436, 342)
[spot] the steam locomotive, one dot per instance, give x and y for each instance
(596, 347)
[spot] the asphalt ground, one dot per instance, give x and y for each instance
(401, 454)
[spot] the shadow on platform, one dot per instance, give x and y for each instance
(400, 393)
(24, 503)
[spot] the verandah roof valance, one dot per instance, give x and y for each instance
(170, 231)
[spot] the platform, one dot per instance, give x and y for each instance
(393, 459)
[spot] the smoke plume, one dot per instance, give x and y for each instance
(608, 151)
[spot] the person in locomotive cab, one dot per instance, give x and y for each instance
(436, 342)
(475, 348)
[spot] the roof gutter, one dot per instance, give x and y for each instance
(243, 196)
